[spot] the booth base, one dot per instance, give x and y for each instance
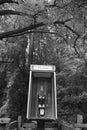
(40, 125)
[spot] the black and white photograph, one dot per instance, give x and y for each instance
(43, 64)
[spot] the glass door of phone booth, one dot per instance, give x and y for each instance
(42, 95)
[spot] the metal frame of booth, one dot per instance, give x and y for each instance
(40, 74)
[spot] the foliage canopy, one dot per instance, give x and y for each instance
(43, 32)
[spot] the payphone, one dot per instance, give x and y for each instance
(42, 102)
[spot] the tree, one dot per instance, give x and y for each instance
(54, 32)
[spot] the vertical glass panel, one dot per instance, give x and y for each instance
(42, 102)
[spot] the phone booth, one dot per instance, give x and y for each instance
(42, 102)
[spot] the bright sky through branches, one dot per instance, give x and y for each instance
(49, 0)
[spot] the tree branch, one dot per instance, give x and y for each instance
(75, 46)
(30, 27)
(7, 1)
(11, 12)
(64, 24)
(55, 5)
(19, 31)
(39, 31)
(6, 62)
(72, 30)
